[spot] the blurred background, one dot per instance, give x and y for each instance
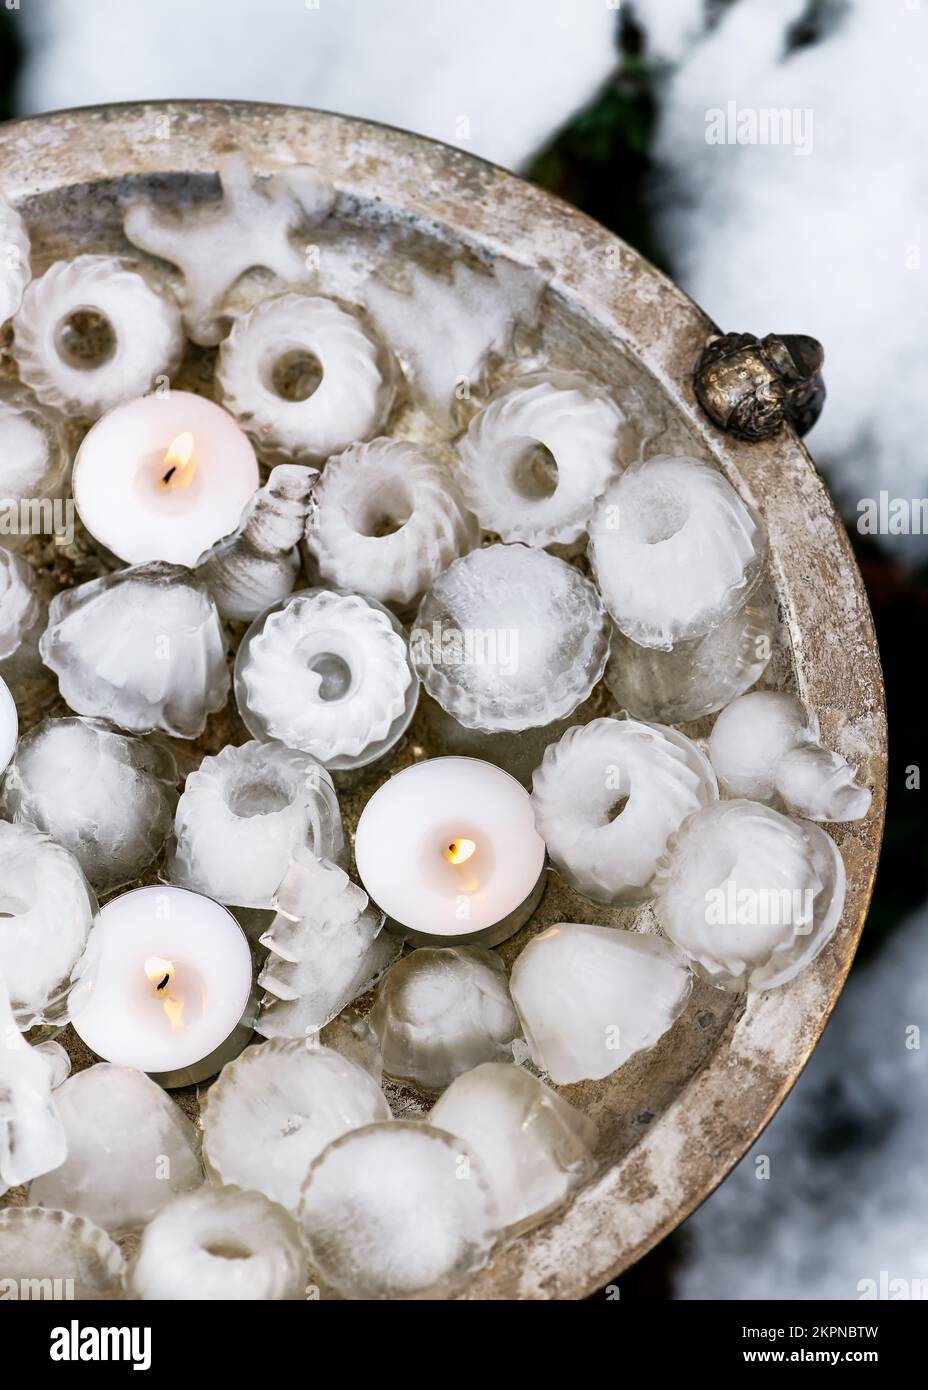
(612, 104)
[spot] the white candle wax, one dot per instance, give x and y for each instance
(9, 725)
(168, 982)
(448, 849)
(164, 478)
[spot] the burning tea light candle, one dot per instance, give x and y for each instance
(164, 478)
(166, 985)
(449, 851)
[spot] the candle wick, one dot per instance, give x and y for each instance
(169, 475)
(163, 982)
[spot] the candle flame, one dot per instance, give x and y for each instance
(178, 463)
(459, 851)
(159, 971)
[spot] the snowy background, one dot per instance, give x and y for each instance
(608, 104)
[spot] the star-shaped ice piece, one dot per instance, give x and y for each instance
(253, 225)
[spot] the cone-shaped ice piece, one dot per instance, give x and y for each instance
(765, 746)
(749, 895)
(220, 1243)
(397, 1211)
(65, 1255)
(589, 998)
(535, 1148)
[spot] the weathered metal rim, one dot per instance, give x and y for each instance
(695, 1143)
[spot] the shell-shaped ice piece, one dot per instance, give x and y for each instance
(32, 1137)
(387, 521)
(397, 1211)
(328, 673)
(15, 272)
(92, 332)
(698, 677)
(64, 1254)
(220, 1243)
(354, 393)
(765, 746)
(258, 564)
(275, 1108)
(243, 814)
(254, 224)
(35, 462)
(538, 455)
(440, 1011)
(675, 550)
(749, 895)
(326, 946)
(47, 909)
(510, 638)
(23, 615)
(536, 1149)
(108, 797)
(143, 647)
(589, 998)
(608, 795)
(130, 1149)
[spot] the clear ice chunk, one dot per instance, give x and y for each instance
(538, 455)
(35, 462)
(387, 520)
(750, 896)
(258, 564)
(143, 647)
(58, 1256)
(23, 615)
(327, 673)
(59, 1063)
(536, 1149)
(674, 549)
(130, 1149)
(589, 998)
(510, 638)
(15, 272)
(47, 909)
(275, 1108)
(108, 797)
(439, 1012)
(326, 946)
(254, 223)
(242, 816)
(32, 1137)
(698, 677)
(765, 746)
(397, 1211)
(606, 798)
(352, 1036)
(220, 1243)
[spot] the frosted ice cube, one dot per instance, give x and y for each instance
(439, 1012)
(387, 520)
(130, 1149)
(326, 946)
(675, 550)
(143, 647)
(46, 911)
(765, 746)
(538, 455)
(58, 1256)
(448, 330)
(220, 1243)
(397, 1211)
(698, 677)
(35, 461)
(15, 271)
(510, 638)
(750, 896)
(327, 673)
(608, 795)
(32, 1137)
(536, 1149)
(106, 796)
(589, 998)
(258, 564)
(23, 615)
(275, 1108)
(242, 816)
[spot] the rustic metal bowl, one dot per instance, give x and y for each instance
(674, 1121)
